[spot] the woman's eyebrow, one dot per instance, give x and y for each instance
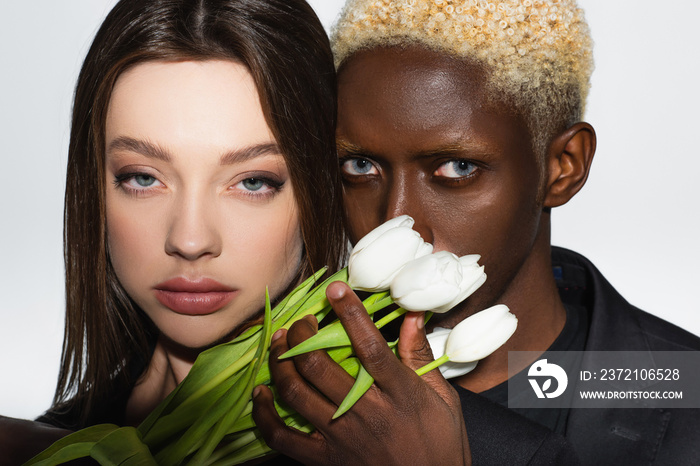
(139, 146)
(249, 152)
(155, 151)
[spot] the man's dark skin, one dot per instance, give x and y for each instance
(417, 135)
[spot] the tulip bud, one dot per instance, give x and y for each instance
(437, 339)
(480, 334)
(437, 282)
(379, 255)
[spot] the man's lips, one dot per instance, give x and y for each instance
(193, 297)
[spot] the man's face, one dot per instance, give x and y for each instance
(417, 136)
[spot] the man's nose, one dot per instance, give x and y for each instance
(193, 231)
(405, 196)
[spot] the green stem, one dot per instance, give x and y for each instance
(433, 365)
(390, 317)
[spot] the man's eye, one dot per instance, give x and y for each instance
(359, 167)
(455, 169)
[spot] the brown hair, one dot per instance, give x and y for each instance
(284, 46)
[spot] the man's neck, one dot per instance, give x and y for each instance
(534, 299)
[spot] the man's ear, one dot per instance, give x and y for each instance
(569, 160)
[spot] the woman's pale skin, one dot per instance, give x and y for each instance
(201, 215)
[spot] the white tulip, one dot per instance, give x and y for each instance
(379, 255)
(480, 334)
(437, 339)
(437, 282)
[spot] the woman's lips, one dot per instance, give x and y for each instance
(189, 297)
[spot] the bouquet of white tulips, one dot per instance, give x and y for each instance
(207, 419)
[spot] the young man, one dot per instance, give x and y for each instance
(467, 116)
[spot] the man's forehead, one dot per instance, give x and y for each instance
(416, 94)
(421, 87)
(411, 70)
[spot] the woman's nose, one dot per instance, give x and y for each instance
(193, 232)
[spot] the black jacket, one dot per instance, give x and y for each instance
(626, 436)
(596, 437)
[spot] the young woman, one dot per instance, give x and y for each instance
(201, 169)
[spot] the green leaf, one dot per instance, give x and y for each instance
(292, 298)
(175, 423)
(352, 366)
(330, 336)
(120, 446)
(298, 294)
(68, 453)
(314, 302)
(334, 335)
(230, 416)
(178, 449)
(227, 451)
(362, 383)
(77, 443)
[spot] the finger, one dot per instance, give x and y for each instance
(277, 434)
(415, 352)
(371, 348)
(414, 348)
(317, 367)
(293, 389)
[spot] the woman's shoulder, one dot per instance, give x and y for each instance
(70, 415)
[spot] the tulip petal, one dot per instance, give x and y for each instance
(437, 340)
(432, 282)
(378, 263)
(481, 334)
(430, 298)
(472, 279)
(451, 370)
(400, 221)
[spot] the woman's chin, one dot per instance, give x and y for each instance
(188, 344)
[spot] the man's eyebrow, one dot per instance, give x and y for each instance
(350, 148)
(250, 152)
(446, 150)
(456, 149)
(139, 146)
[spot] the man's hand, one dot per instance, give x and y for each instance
(402, 419)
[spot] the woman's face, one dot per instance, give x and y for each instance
(201, 214)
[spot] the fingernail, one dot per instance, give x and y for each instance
(276, 336)
(335, 290)
(420, 321)
(256, 391)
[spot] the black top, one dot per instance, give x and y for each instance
(599, 436)
(572, 338)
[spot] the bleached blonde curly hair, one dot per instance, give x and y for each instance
(538, 53)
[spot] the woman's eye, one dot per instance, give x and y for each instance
(455, 169)
(144, 181)
(137, 181)
(359, 167)
(253, 184)
(258, 186)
